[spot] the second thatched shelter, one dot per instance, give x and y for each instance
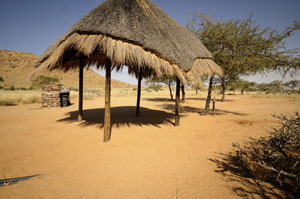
(135, 33)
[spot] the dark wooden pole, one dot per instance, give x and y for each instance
(182, 93)
(223, 89)
(107, 126)
(81, 65)
(170, 89)
(177, 103)
(214, 106)
(139, 93)
(208, 99)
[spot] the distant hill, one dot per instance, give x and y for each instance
(16, 69)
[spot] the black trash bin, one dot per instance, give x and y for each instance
(64, 98)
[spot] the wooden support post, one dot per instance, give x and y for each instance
(177, 102)
(81, 65)
(207, 104)
(182, 93)
(107, 126)
(223, 89)
(214, 106)
(170, 90)
(139, 93)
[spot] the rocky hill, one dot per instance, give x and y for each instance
(16, 69)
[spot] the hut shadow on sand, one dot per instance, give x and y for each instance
(188, 98)
(201, 111)
(204, 99)
(122, 116)
(158, 99)
(191, 109)
(243, 184)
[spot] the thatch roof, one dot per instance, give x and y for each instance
(135, 33)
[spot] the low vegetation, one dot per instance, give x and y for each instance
(291, 96)
(273, 159)
(10, 97)
(13, 96)
(41, 80)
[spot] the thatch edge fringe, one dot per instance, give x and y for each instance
(203, 67)
(95, 47)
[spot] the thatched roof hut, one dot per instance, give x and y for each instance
(135, 33)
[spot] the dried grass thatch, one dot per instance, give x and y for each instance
(203, 67)
(135, 33)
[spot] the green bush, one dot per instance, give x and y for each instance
(155, 87)
(41, 80)
(11, 88)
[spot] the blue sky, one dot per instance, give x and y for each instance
(32, 25)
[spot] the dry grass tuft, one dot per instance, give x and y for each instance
(10, 98)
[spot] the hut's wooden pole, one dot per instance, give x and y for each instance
(107, 127)
(214, 106)
(208, 99)
(177, 102)
(182, 93)
(81, 65)
(139, 93)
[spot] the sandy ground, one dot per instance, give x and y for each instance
(147, 157)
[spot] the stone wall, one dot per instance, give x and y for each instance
(50, 96)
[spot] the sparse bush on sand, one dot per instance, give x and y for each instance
(155, 87)
(275, 158)
(11, 88)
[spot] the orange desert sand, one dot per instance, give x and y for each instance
(147, 157)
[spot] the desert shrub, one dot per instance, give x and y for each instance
(41, 80)
(7, 102)
(291, 96)
(11, 88)
(275, 158)
(1, 79)
(31, 99)
(155, 87)
(148, 90)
